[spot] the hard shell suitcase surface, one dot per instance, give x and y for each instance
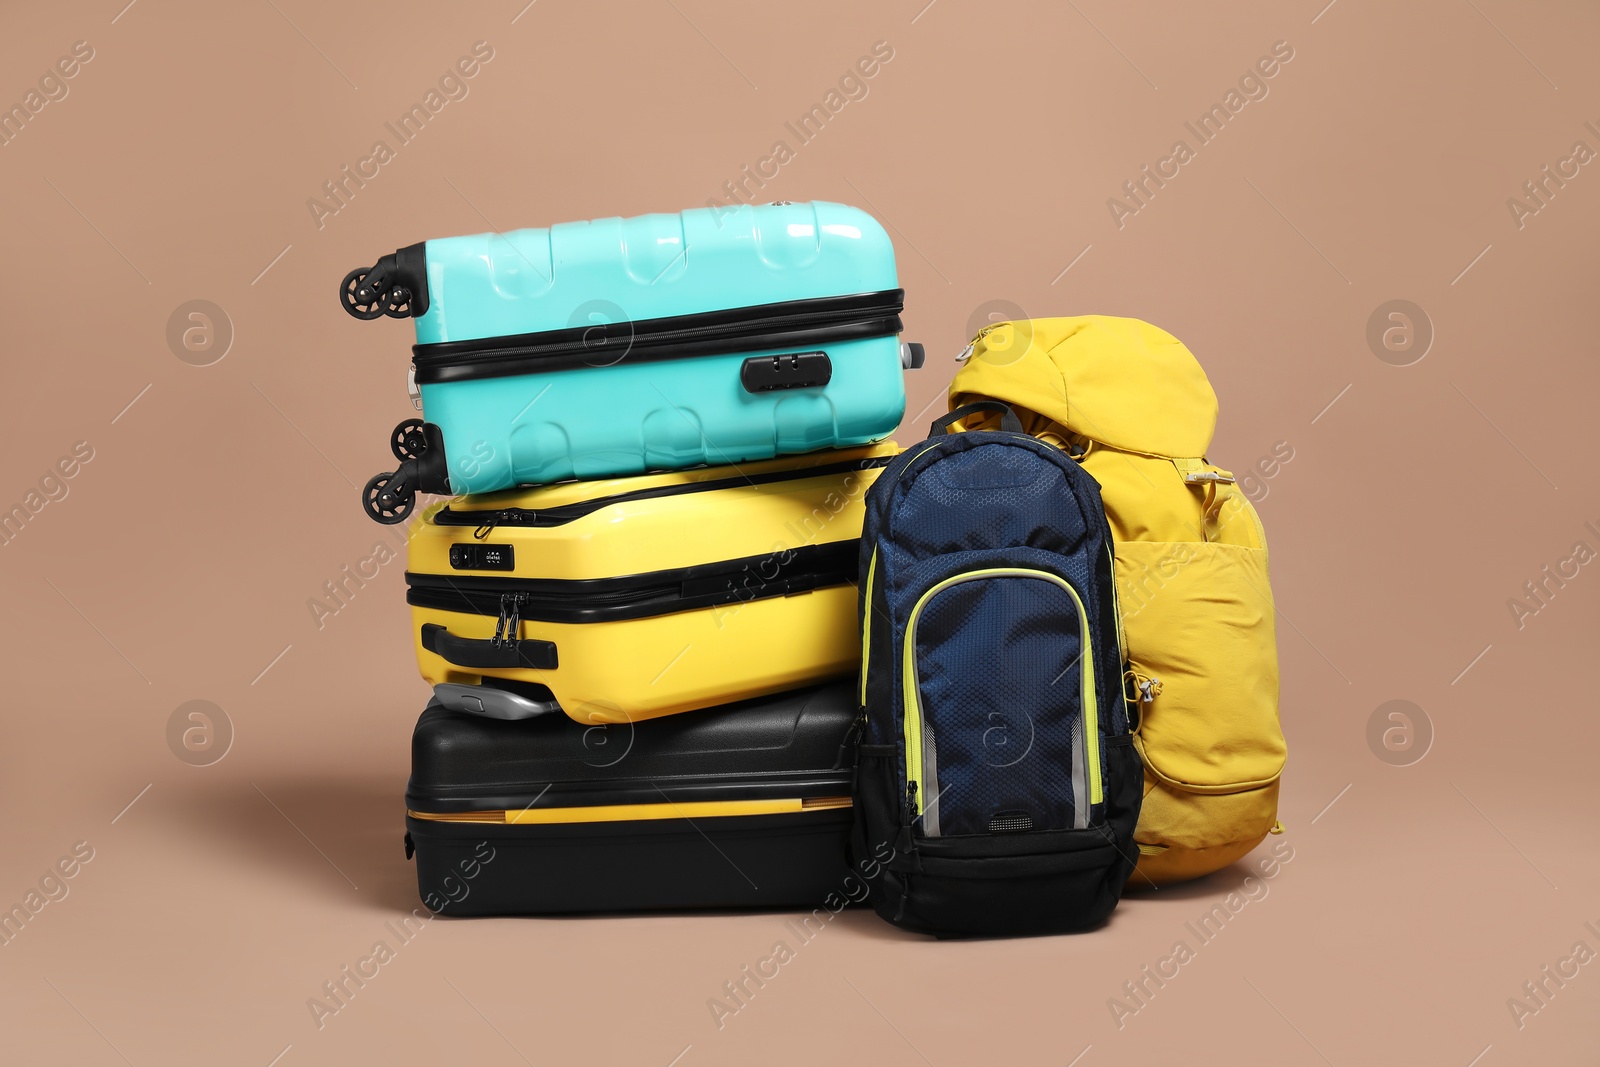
(746, 805)
(612, 347)
(631, 598)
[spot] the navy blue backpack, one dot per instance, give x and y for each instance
(997, 787)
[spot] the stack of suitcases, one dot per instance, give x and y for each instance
(637, 607)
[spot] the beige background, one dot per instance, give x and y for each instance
(178, 567)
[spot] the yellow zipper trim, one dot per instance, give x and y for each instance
(913, 699)
(866, 624)
(690, 809)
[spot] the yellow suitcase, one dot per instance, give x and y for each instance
(629, 598)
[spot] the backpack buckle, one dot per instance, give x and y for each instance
(1194, 472)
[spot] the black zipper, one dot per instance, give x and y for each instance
(903, 843)
(509, 625)
(487, 520)
(762, 327)
(638, 596)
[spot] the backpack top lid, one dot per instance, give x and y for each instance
(1121, 382)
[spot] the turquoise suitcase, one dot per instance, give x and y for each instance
(617, 346)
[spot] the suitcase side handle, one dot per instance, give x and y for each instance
(520, 654)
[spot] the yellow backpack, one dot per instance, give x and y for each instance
(1132, 404)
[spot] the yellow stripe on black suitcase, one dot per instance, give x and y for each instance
(630, 598)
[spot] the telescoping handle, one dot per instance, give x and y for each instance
(1008, 418)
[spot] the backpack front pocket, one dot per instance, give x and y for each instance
(981, 646)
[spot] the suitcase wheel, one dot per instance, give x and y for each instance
(388, 500)
(359, 298)
(397, 304)
(408, 440)
(396, 286)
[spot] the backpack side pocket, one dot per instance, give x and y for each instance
(1200, 622)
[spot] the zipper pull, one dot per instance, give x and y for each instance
(847, 746)
(902, 843)
(508, 626)
(493, 519)
(503, 517)
(500, 622)
(966, 353)
(514, 624)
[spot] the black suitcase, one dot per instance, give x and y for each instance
(745, 805)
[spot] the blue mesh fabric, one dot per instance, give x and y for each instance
(984, 498)
(997, 664)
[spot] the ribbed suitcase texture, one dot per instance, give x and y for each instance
(631, 598)
(740, 806)
(612, 347)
